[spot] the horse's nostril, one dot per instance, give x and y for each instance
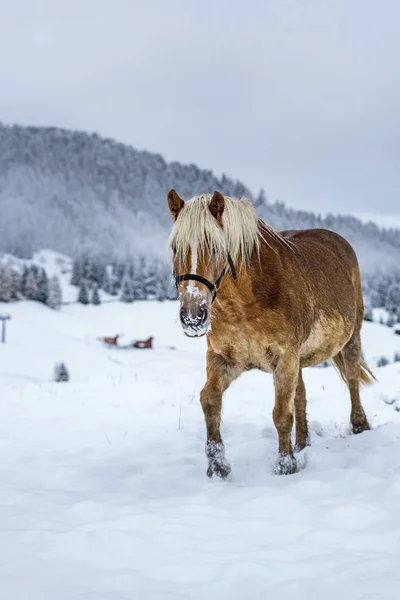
(196, 319)
(203, 315)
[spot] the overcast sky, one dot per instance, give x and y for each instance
(300, 97)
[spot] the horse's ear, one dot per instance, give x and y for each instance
(175, 204)
(217, 205)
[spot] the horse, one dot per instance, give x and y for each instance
(144, 343)
(112, 341)
(267, 300)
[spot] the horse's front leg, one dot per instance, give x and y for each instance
(285, 379)
(220, 374)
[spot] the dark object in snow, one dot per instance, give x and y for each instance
(143, 343)
(397, 357)
(382, 361)
(392, 319)
(61, 373)
(3, 319)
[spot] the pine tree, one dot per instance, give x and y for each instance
(61, 373)
(95, 295)
(42, 286)
(392, 319)
(77, 272)
(98, 271)
(118, 271)
(368, 314)
(127, 294)
(15, 285)
(24, 278)
(161, 292)
(150, 281)
(261, 199)
(106, 283)
(393, 297)
(83, 296)
(138, 287)
(54, 298)
(31, 285)
(5, 283)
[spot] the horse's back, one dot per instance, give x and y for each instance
(325, 240)
(324, 252)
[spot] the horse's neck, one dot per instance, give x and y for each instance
(263, 268)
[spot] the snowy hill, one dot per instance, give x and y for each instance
(75, 192)
(104, 494)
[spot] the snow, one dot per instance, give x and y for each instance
(104, 494)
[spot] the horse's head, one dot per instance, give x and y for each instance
(199, 260)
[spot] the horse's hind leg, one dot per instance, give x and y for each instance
(349, 363)
(300, 405)
(220, 374)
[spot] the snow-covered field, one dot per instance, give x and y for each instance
(103, 490)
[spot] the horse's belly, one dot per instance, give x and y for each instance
(327, 337)
(248, 352)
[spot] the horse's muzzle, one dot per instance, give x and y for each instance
(195, 325)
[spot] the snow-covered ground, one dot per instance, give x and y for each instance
(103, 490)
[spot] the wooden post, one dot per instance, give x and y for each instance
(3, 319)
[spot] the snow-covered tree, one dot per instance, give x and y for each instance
(106, 285)
(24, 277)
(382, 361)
(127, 294)
(393, 297)
(42, 286)
(15, 285)
(61, 373)
(261, 199)
(95, 295)
(54, 298)
(392, 319)
(77, 272)
(150, 280)
(5, 283)
(31, 284)
(368, 314)
(83, 295)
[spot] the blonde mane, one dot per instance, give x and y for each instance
(242, 230)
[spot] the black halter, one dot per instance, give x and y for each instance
(213, 287)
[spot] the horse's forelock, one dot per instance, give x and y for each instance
(238, 234)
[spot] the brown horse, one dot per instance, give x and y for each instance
(272, 301)
(144, 343)
(112, 341)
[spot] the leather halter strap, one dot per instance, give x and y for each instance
(213, 287)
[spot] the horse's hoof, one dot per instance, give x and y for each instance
(360, 427)
(220, 469)
(285, 465)
(217, 463)
(299, 446)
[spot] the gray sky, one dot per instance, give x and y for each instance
(301, 97)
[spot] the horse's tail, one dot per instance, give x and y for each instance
(366, 376)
